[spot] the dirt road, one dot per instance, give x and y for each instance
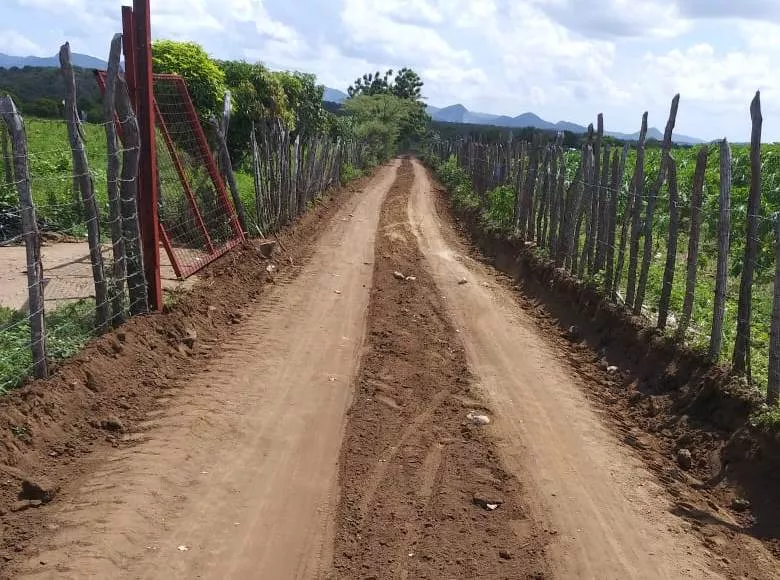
(236, 480)
(329, 438)
(609, 517)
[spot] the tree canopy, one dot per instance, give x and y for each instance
(205, 80)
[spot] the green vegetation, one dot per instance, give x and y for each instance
(39, 92)
(387, 115)
(205, 80)
(349, 173)
(497, 210)
(68, 329)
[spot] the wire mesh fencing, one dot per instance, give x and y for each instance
(685, 237)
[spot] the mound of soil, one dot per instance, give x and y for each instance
(422, 491)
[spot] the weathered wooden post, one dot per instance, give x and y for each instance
(724, 232)
(647, 254)
(81, 173)
(119, 272)
(32, 243)
(693, 242)
(741, 359)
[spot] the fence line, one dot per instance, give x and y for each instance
(100, 181)
(583, 213)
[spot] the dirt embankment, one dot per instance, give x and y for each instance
(56, 431)
(664, 399)
(422, 491)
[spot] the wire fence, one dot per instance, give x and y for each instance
(669, 234)
(69, 201)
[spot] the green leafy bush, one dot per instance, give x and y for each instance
(458, 183)
(500, 209)
(349, 173)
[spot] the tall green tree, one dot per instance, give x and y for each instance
(205, 80)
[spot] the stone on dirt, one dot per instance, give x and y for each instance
(573, 333)
(112, 424)
(463, 281)
(266, 248)
(39, 489)
(398, 275)
(684, 458)
(485, 499)
(478, 418)
(740, 504)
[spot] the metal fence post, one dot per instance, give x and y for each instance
(147, 190)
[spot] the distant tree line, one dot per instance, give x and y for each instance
(39, 91)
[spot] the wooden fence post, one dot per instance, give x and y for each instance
(773, 385)
(257, 179)
(650, 213)
(117, 289)
(618, 170)
(592, 221)
(671, 247)
(693, 242)
(32, 243)
(81, 172)
(637, 198)
(227, 170)
(136, 274)
(602, 234)
(741, 359)
(724, 230)
(8, 176)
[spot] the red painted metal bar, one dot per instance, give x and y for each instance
(208, 159)
(183, 178)
(171, 256)
(220, 251)
(147, 174)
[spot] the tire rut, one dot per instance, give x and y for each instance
(411, 464)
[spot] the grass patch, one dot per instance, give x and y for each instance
(68, 329)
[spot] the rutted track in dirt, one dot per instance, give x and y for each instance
(226, 466)
(611, 516)
(235, 478)
(413, 469)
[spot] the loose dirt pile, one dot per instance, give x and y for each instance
(422, 491)
(56, 431)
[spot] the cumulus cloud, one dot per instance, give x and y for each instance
(617, 18)
(11, 42)
(563, 59)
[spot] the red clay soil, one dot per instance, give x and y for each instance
(415, 474)
(55, 431)
(662, 400)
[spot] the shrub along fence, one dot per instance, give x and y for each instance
(686, 237)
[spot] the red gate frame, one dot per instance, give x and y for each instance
(136, 42)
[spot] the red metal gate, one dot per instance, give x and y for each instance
(197, 220)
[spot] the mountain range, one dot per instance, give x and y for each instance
(460, 114)
(452, 114)
(80, 60)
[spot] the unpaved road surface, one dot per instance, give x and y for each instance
(328, 437)
(237, 478)
(608, 516)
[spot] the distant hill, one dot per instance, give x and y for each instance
(81, 60)
(334, 95)
(460, 114)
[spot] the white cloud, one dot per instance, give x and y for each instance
(11, 42)
(378, 25)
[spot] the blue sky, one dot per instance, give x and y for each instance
(562, 59)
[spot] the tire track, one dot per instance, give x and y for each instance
(411, 464)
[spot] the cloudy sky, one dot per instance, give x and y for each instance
(562, 59)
